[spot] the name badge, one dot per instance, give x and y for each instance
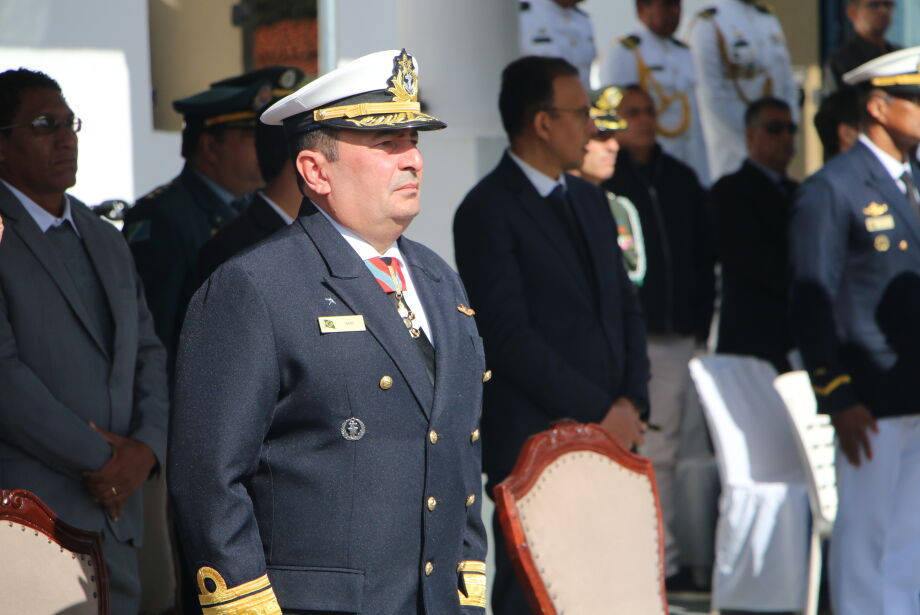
(341, 324)
(880, 223)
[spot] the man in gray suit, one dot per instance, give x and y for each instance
(83, 408)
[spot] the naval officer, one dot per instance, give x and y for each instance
(855, 256)
(663, 66)
(558, 28)
(740, 56)
(325, 450)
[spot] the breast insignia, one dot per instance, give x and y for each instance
(353, 429)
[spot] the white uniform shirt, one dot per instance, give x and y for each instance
(670, 79)
(740, 55)
(366, 251)
(547, 29)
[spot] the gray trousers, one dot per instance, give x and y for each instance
(124, 582)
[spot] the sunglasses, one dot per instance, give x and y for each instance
(775, 128)
(49, 124)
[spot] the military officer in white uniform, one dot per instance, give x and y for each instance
(663, 66)
(558, 28)
(740, 55)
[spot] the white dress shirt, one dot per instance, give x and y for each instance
(42, 218)
(366, 251)
(895, 167)
(543, 183)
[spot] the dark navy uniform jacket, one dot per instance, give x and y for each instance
(265, 482)
(855, 256)
(166, 229)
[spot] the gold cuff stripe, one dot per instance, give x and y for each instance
(910, 79)
(475, 585)
(366, 109)
(832, 386)
(260, 603)
(230, 117)
(472, 566)
(222, 593)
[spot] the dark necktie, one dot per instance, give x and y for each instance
(912, 196)
(389, 275)
(562, 207)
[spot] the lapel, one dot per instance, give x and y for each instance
(104, 262)
(599, 251)
(349, 278)
(884, 185)
(537, 209)
(439, 305)
(20, 222)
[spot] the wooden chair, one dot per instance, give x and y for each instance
(48, 567)
(582, 523)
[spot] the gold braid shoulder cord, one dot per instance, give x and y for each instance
(646, 78)
(734, 71)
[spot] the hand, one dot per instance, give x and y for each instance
(622, 422)
(852, 427)
(123, 473)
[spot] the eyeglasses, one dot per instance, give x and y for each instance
(777, 127)
(49, 124)
(879, 4)
(583, 113)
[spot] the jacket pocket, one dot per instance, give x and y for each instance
(313, 588)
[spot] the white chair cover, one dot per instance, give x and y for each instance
(762, 538)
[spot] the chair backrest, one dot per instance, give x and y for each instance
(815, 443)
(48, 566)
(582, 524)
(747, 420)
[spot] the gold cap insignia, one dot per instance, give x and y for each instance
(875, 209)
(404, 82)
(604, 109)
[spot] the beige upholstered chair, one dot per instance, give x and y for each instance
(47, 566)
(583, 525)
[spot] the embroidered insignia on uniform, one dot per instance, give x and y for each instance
(875, 209)
(466, 310)
(330, 301)
(353, 429)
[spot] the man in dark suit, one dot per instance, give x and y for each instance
(871, 20)
(167, 227)
(270, 209)
(83, 404)
(751, 210)
(324, 450)
(855, 255)
(537, 249)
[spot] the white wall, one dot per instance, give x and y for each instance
(98, 51)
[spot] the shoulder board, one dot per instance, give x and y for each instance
(763, 8)
(155, 192)
(709, 13)
(525, 6)
(679, 43)
(630, 42)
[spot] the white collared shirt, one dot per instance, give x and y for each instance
(543, 183)
(42, 218)
(284, 216)
(366, 251)
(895, 167)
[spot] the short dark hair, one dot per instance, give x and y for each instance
(271, 150)
(322, 139)
(753, 111)
(841, 107)
(527, 86)
(12, 82)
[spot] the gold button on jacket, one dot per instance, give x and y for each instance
(487, 375)
(474, 435)
(470, 499)
(429, 568)
(386, 382)
(433, 436)
(432, 503)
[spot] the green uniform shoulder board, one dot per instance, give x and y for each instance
(630, 42)
(155, 191)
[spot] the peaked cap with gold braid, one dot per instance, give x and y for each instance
(378, 91)
(604, 103)
(897, 72)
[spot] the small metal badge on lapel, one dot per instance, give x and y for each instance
(353, 429)
(466, 310)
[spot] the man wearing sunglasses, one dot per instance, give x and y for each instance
(751, 208)
(83, 402)
(855, 256)
(870, 19)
